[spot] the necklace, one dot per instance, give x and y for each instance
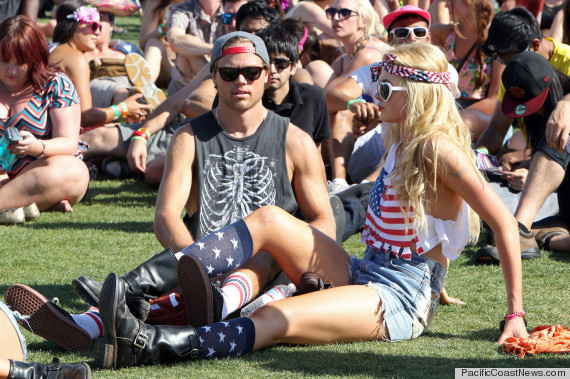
(219, 122)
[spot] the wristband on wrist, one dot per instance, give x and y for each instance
(124, 109)
(483, 150)
(145, 131)
(138, 138)
(162, 29)
(116, 110)
(354, 101)
(510, 316)
(43, 149)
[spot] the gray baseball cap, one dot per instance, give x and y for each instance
(259, 47)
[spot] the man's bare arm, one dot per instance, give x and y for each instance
(187, 44)
(174, 191)
(309, 181)
(492, 137)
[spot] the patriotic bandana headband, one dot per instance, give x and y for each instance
(413, 73)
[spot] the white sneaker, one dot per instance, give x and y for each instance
(337, 185)
(12, 216)
(31, 212)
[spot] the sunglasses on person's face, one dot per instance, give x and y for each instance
(343, 13)
(95, 26)
(281, 63)
(385, 90)
(403, 32)
(227, 18)
(229, 74)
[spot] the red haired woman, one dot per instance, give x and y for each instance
(43, 105)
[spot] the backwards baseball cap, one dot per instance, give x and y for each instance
(526, 78)
(405, 10)
(258, 47)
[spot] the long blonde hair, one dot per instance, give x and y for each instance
(430, 112)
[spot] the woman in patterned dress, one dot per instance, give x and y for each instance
(43, 105)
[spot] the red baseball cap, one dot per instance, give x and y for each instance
(406, 10)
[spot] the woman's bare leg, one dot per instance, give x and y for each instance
(297, 246)
(10, 348)
(46, 182)
(340, 314)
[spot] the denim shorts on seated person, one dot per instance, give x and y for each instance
(409, 289)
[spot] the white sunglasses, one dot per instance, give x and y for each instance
(385, 90)
(403, 32)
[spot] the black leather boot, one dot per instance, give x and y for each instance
(150, 280)
(131, 342)
(34, 370)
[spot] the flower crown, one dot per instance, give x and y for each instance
(85, 14)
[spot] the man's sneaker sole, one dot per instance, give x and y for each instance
(45, 319)
(197, 291)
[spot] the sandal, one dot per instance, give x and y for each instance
(138, 72)
(544, 236)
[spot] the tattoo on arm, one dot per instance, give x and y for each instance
(458, 174)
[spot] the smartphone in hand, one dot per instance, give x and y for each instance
(488, 162)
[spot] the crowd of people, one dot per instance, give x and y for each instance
(313, 119)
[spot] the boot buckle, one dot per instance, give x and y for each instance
(195, 353)
(140, 340)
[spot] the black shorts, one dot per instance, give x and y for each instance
(563, 159)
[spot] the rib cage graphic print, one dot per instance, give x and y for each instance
(235, 184)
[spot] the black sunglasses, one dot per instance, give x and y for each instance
(281, 63)
(227, 18)
(343, 13)
(95, 26)
(403, 32)
(229, 74)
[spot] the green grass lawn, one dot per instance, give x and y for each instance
(106, 233)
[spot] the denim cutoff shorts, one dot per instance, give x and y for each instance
(409, 289)
(12, 317)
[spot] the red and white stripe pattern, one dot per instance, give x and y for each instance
(385, 226)
(413, 73)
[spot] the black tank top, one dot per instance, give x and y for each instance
(238, 175)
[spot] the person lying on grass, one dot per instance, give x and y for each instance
(423, 211)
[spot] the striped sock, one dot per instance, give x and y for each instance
(90, 321)
(237, 291)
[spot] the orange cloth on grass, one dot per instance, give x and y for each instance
(543, 339)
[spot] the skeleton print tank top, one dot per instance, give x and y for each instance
(238, 175)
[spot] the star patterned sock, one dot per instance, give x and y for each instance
(90, 321)
(230, 338)
(236, 291)
(223, 250)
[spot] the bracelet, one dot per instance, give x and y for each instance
(43, 149)
(514, 315)
(116, 110)
(138, 138)
(354, 101)
(161, 29)
(145, 131)
(141, 134)
(125, 112)
(483, 150)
